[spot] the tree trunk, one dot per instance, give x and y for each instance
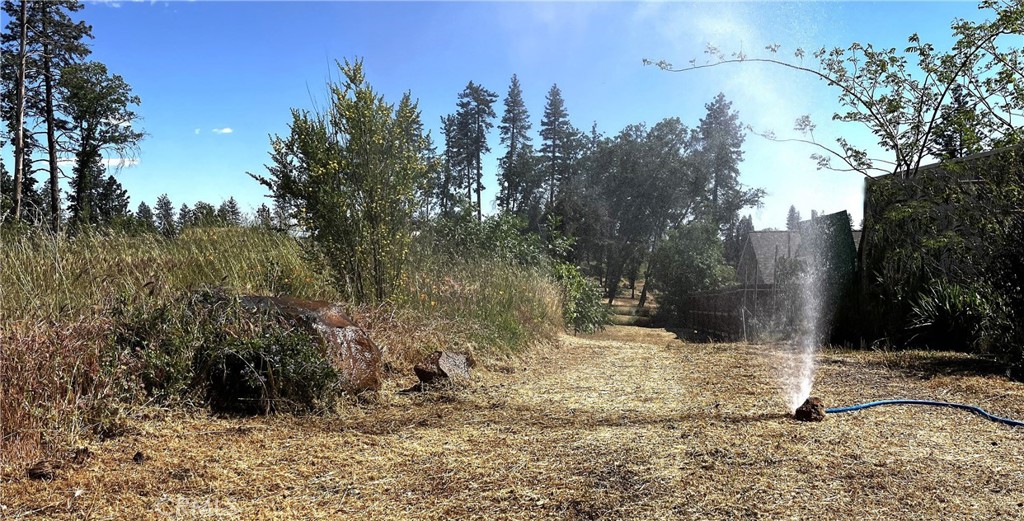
(643, 291)
(19, 140)
(479, 188)
(51, 135)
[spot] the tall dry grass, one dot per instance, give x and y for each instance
(62, 378)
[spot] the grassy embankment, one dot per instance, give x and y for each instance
(62, 376)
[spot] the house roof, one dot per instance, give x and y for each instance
(764, 244)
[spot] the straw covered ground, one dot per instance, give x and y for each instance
(630, 423)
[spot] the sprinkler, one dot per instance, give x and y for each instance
(814, 410)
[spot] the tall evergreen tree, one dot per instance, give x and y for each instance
(793, 219)
(111, 202)
(144, 215)
(229, 214)
(53, 41)
(33, 209)
(204, 215)
(473, 122)
(736, 239)
(165, 219)
(96, 198)
(517, 163)
(99, 111)
(719, 154)
(452, 168)
(16, 63)
(186, 217)
(959, 131)
(555, 131)
(86, 182)
(264, 219)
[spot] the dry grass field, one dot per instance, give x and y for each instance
(627, 424)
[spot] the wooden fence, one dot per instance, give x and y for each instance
(734, 313)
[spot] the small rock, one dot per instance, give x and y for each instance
(139, 457)
(813, 410)
(80, 455)
(443, 365)
(42, 471)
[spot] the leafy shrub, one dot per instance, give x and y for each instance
(690, 260)
(951, 316)
(582, 308)
(205, 344)
(499, 238)
(943, 254)
(352, 173)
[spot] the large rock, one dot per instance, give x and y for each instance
(349, 348)
(442, 366)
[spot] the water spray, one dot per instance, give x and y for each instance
(815, 289)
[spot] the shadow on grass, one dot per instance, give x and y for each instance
(694, 336)
(932, 364)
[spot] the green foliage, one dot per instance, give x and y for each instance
(582, 309)
(166, 221)
(947, 315)
(98, 107)
(690, 260)
(718, 143)
(229, 214)
(561, 145)
(46, 276)
(497, 307)
(473, 120)
(205, 344)
(519, 179)
(917, 102)
(945, 255)
(500, 238)
(350, 174)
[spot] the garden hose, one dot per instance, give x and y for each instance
(977, 410)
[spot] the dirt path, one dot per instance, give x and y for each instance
(631, 423)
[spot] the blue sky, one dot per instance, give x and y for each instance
(204, 68)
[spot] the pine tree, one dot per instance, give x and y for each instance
(16, 63)
(473, 121)
(186, 217)
(229, 214)
(516, 165)
(165, 220)
(98, 108)
(557, 143)
(264, 219)
(144, 215)
(33, 210)
(793, 219)
(736, 239)
(719, 154)
(453, 167)
(86, 183)
(204, 215)
(111, 202)
(96, 198)
(53, 41)
(959, 131)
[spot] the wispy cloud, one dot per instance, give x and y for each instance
(108, 162)
(197, 131)
(225, 130)
(117, 162)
